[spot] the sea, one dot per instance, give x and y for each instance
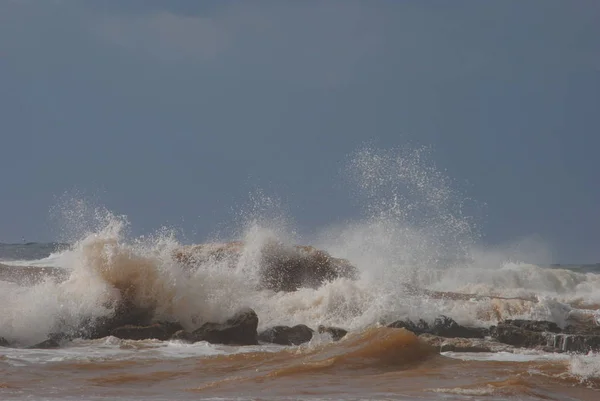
(413, 232)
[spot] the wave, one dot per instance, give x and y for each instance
(414, 247)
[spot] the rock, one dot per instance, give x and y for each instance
(518, 337)
(534, 325)
(283, 267)
(126, 314)
(3, 342)
(335, 332)
(544, 335)
(443, 326)
(183, 335)
(239, 330)
(286, 268)
(285, 335)
(446, 327)
(458, 344)
(157, 331)
(420, 327)
(581, 343)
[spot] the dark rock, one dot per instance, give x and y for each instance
(158, 331)
(335, 332)
(446, 327)
(184, 336)
(581, 343)
(420, 327)
(443, 326)
(3, 342)
(534, 325)
(239, 330)
(285, 335)
(126, 314)
(283, 267)
(464, 344)
(518, 337)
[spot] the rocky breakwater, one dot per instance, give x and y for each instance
(282, 267)
(507, 335)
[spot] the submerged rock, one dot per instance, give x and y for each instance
(335, 332)
(157, 331)
(283, 267)
(285, 335)
(238, 330)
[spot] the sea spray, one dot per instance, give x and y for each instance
(413, 237)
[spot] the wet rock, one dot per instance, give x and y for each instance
(157, 331)
(580, 343)
(239, 330)
(287, 268)
(534, 325)
(283, 267)
(419, 327)
(443, 326)
(3, 342)
(335, 332)
(518, 337)
(285, 335)
(126, 314)
(446, 327)
(459, 344)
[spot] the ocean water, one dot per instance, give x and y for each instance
(415, 233)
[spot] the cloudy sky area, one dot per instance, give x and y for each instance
(172, 111)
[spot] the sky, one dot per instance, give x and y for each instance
(172, 112)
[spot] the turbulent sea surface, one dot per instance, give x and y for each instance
(414, 234)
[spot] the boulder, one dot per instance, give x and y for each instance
(446, 327)
(3, 342)
(335, 332)
(443, 326)
(283, 267)
(517, 336)
(157, 331)
(285, 335)
(420, 327)
(238, 330)
(126, 314)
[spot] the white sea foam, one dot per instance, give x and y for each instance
(414, 235)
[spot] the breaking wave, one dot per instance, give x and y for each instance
(416, 249)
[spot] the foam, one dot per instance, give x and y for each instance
(414, 235)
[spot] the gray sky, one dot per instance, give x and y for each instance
(172, 111)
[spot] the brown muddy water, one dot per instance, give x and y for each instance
(377, 363)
